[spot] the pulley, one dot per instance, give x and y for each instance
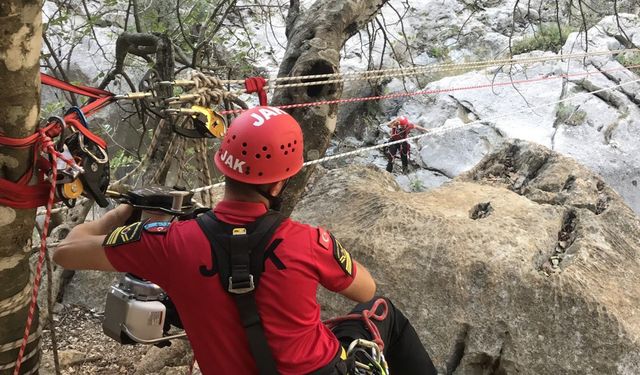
(73, 189)
(91, 177)
(206, 122)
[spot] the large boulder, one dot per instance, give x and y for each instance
(527, 264)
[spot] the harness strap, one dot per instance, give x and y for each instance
(238, 256)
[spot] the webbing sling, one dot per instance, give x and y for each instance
(238, 256)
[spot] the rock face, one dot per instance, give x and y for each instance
(527, 264)
(595, 129)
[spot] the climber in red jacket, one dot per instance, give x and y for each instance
(400, 129)
(243, 277)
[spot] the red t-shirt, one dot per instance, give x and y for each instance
(286, 297)
(399, 132)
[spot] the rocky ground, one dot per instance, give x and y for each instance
(527, 264)
(84, 349)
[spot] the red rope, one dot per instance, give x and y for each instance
(367, 317)
(438, 91)
(46, 145)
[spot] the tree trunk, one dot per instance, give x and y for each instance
(165, 66)
(315, 38)
(21, 30)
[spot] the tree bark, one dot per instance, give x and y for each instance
(165, 66)
(20, 44)
(315, 38)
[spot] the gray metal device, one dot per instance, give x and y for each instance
(134, 312)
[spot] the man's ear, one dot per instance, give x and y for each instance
(276, 188)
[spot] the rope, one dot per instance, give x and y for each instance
(46, 145)
(443, 129)
(22, 360)
(52, 324)
(405, 94)
(417, 70)
(16, 302)
(367, 317)
(207, 90)
(16, 344)
(437, 91)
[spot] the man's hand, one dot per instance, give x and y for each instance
(82, 249)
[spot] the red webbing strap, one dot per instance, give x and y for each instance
(19, 194)
(72, 120)
(256, 84)
(91, 92)
(23, 196)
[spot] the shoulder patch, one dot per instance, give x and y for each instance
(123, 235)
(342, 256)
(324, 238)
(157, 227)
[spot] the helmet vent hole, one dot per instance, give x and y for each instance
(268, 156)
(286, 152)
(247, 171)
(288, 169)
(244, 152)
(244, 144)
(264, 148)
(257, 156)
(295, 142)
(282, 147)
(259, 173)
(289, 145)
(234, 137)
(228, 141)
(293, 150)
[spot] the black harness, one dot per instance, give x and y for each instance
(238, 254)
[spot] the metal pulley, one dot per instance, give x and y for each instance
(72, 190)
(91, 176)
(206, 122)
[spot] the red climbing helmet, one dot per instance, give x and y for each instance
(403, 120)
(262, 145)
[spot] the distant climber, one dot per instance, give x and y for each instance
(400, 128)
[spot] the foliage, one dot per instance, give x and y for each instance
(121, 160)
(416, 185)
(51, 109)
(439, 52)
(570, 115)
(548, 38)
(630, 59)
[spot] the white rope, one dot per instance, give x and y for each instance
(442, 129)
(16, 344)
(17, 301)
(33, 352)
(406, 71)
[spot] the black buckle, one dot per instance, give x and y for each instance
(242, 287)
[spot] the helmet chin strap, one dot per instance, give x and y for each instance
(275, 203)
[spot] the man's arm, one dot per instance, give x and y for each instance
(363, 287)
(82, 248)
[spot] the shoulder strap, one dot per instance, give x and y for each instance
(239, 255)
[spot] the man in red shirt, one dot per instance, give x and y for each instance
(261, 151)
(400, 129)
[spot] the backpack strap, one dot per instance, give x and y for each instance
(238, 254)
